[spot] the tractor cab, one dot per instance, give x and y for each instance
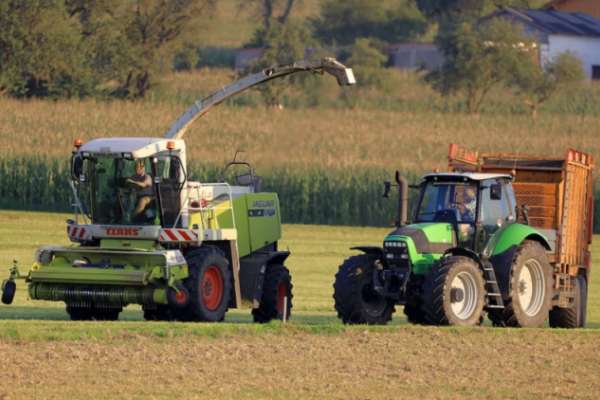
(476, 205)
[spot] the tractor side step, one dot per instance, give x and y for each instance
(493, 296)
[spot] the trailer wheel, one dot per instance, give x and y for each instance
(8, 292)
(574, 317)
(355, 299)
(208, 285)
(530, 291)
(160, 313)
(277, 286)
(454, 293)
(80, 313)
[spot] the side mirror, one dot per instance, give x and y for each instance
(245, 180)
(78, 166)
(387, 186)
(496, 191)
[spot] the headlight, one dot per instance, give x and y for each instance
(389, 255)
(404, 256)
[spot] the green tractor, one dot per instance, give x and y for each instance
(506, 234)
(145, 233)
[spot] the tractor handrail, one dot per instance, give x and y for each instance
(344, 76)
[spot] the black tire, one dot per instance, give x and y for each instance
(207, 265)
(439, 296)
(106, 314)
(414, 313)
(355, 300)
(160, 313)
(571, 318)
(80, 313)
(278, 284)
(8, 292)
(513, 314)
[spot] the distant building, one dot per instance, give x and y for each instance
(415, 55)
(591, 7)
(245, 57)
(559, 31)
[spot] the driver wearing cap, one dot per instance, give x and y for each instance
(144, 188)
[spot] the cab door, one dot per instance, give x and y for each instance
(494, 211)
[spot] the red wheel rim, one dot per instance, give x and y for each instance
(281, 293)
(212, 288)
(180, 297)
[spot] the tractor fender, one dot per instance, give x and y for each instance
(253, 269)
(377, 251)
(464, 252)
(502, 249)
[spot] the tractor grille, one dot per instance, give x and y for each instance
(396, 255)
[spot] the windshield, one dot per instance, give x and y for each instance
(123, 191)
(445, 201)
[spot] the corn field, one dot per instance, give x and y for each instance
(311, 196)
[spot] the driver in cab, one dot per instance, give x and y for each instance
(143, 185)
(468, 206)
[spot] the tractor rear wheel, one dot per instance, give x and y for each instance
(573, 317)
(209, 286)
(277, 286)
(530, 291)
(355, 299)
(454, 293)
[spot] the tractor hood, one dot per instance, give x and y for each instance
(428, 238)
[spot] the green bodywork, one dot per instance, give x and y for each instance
(437, 233)
(508, 236)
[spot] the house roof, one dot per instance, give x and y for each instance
(556, 22)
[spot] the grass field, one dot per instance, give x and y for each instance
(314, 356)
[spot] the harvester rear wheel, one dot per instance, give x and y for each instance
(277, 286)
(8, 292)
(209, 286)
(574, 317)
(355, 299)
(454, 293)
(530, 291)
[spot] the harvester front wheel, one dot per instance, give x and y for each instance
(106, 314)
(573, 317)
(277, 287)
(208, 285)
(454, 293)
(530, 291)
(356, 301)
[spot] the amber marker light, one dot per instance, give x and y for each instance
(78, 143)
(170, 145)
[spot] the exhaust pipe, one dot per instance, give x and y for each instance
(402, 198)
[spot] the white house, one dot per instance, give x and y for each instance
(559, 31)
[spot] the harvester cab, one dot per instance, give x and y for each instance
(473, 247)
(145, 233)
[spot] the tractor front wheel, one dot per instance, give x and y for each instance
(454, 293)
(277, 287)
(356, 301)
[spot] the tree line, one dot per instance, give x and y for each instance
(114, 48)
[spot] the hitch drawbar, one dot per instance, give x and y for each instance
(389, 283)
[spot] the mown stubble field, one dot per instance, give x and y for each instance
(314, 356)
